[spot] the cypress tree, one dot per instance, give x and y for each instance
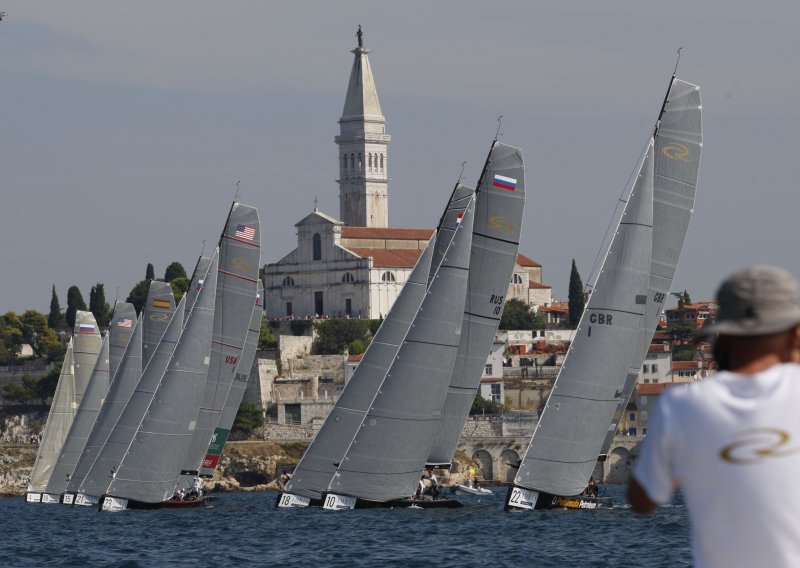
(151, 272)
(54, 319)
(174, 270)
(98, 305)
(74, 303)
(577, 300)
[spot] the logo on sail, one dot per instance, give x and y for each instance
(676, 151)
(757, 445)
(500, 223)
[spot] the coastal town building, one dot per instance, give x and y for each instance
(693, 315)
(355, 266)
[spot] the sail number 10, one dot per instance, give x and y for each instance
(497, 302)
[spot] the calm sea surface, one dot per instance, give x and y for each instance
(246, 529)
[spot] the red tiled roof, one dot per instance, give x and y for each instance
(385, 233)
(557, 309)
(685, 366)
(399, 258)
(654, 388)
(658, 348)
(523, 260)
(538, 285)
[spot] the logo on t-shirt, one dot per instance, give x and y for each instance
(756, 445)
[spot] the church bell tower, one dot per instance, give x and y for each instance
(363, 144)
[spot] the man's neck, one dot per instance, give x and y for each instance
(757, 365)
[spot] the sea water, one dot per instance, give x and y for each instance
(246, 529)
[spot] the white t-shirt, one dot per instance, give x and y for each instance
(732, 443)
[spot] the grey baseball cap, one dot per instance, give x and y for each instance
(758, 300)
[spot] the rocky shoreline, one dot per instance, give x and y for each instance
(253, 465)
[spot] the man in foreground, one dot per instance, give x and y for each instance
(732, 442)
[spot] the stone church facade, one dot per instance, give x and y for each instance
(357, 266)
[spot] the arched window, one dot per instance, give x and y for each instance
(360, 163)
(317, 245)
(369, 161)
(344, 162)
(288, 281)
(516, 279)
(352, 161)
(388, 277)
(348, 277)
(381, 162)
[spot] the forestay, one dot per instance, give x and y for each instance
(499, 205)
(607, 344)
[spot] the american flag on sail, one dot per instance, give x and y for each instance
(124, 322)
(85, 328)
(504, 182)
(245, 232)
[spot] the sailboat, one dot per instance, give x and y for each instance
(118, 335)
(382, 464)
(239, 261)
(611, 341)
(125, 380)
(499, 206)
(147, 473)
(72, 384)
(313, 475)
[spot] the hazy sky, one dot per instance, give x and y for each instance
(124, 126)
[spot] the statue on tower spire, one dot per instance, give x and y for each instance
(360, 36)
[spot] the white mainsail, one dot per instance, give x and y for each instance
(59, 421)
(606, 350)
(499, 206)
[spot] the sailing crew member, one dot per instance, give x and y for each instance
(197, 488)
(473, 477)
(735, 434)
(432, 485)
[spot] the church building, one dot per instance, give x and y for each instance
(357, 266)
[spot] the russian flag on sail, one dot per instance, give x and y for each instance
(199, 285)
(504, 182)
(85, 328)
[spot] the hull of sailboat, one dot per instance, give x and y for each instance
(33, 497)
(115, 504)
(290, 501)
(518, 499)
(409, 504)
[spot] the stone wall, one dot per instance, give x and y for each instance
(293, 346)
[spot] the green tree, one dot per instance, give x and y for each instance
(179, 286)
(138, 295)
(334, 335)
(683, 299)
(11, 338)
(55, 320)
(74, 303)
(98, 305)
(482, 406)
(173, 271)
(356, 347)
(150, 273)
(40, 336)
(517, 315)
(577, 299)
(248, 418)
(30, 388)
(266, 339)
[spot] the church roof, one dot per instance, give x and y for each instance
(381, 257)
(523, 260)
(385, 233)
(315, 217)
(362, 96)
